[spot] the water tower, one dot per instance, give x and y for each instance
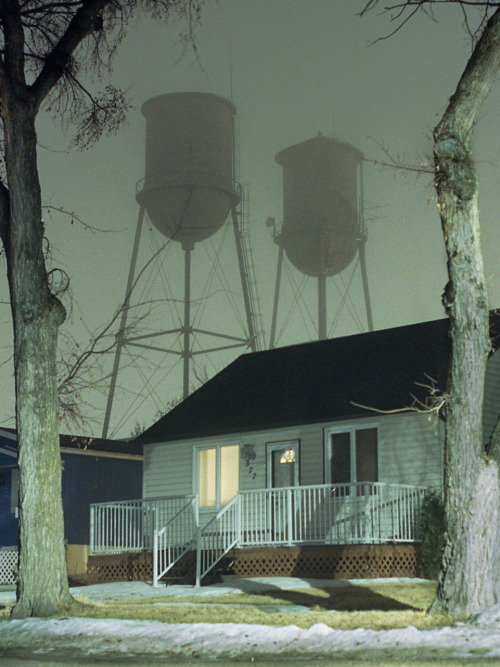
(188, 192)
(189, 187)
(323, 227)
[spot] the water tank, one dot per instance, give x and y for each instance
(188, 188)
(320, 205)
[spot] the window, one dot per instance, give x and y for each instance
(218, 474)
(351, 455)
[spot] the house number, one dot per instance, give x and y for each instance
(250, 470)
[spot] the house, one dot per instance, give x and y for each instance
(325, 443)
(93, 470)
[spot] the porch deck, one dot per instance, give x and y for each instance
(350, 514)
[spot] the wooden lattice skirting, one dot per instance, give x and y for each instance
(315, 562)
(330, 562)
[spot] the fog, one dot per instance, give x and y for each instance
(293, 69)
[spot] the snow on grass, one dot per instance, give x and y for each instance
(225, 641)
(90, 637)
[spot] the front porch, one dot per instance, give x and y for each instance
(171, 527)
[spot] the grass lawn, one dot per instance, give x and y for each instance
(378, 606)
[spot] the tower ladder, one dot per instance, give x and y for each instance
(249, 266)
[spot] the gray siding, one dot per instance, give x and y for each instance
(411, 449)
(410, 452)
(167, 470)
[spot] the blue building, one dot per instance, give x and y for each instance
(93, 471)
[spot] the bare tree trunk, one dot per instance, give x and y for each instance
(37, 314)
(40, 58)
(472, 497)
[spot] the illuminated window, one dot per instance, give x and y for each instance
(207, 477)
(287, 456)
(218, 475)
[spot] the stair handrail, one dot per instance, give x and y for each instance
(212, 542)
(166, 554)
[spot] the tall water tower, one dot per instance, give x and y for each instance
(189, 187)
(323, 226)
(188, 193)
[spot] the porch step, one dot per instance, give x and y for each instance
(184, 572)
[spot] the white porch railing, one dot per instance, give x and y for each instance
(129, 525)
(363, 513)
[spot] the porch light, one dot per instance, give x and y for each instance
(248, 453)
(288, 456)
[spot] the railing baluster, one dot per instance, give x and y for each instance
(345, 513)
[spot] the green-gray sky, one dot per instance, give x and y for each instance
(292, 68)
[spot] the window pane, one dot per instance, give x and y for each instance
(207, 477)
(341, 458)
(283, 474)
(229, 473)
(366, 455)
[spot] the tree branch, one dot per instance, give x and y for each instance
(403, 12)
(475, 83)
(84, 22)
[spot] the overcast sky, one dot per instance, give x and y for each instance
(292, 68)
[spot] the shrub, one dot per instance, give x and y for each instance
(432, 533)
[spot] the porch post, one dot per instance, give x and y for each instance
(238, 521)
(367, 488)
(198, 556)
(290, 516)
(155, 558)
(92, 540)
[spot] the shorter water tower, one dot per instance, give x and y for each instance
(323, 226)
(188, 192)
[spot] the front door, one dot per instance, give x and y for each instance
(282, 464)
(282, 476)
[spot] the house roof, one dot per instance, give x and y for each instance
(314, 382)
(82, 445)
